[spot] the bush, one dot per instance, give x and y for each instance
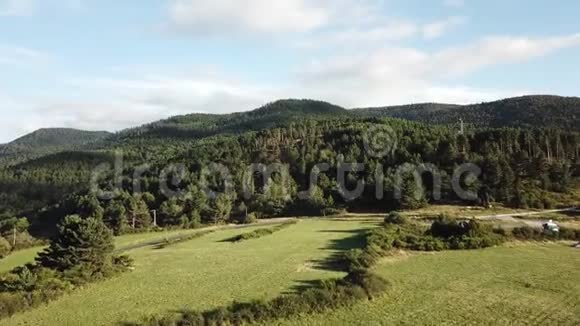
(395, 218)
(445, 228)
(251, 218)
(11, 303)
(29, 286)
(5, 248)
(527, 233)
(569, 234)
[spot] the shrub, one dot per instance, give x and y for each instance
(5, 248)
(395, 218)
(11, 303)
(569, 234)
(527, 233)
(251, 218)
(445, 228)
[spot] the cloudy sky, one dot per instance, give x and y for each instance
(105, 64)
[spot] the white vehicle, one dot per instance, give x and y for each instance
(551, 226)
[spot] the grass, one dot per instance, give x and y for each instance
(522, 285)
(203, 273)
(22, 257)
(18, 258)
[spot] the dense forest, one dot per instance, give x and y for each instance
(526, 111)
(179, 165)
(47, 141)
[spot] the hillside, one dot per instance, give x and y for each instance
(526, 111)
(300, 133)
(47, 141)
(276, 114)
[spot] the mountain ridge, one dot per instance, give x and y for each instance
(549, 111)
(541, 111)
(47, 141)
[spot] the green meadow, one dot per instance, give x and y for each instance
(203, 273)
(528, 284)
(514, 284)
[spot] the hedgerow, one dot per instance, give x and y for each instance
(529, 233)
(262, 232)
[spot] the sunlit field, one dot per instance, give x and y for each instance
(203, 273)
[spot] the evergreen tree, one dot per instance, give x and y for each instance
(115, 217)
(86, 244)
(171, 213)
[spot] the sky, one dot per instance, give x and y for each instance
(109, 65)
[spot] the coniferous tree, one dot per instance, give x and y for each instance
(86, 244)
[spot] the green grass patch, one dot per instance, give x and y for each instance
(532, 284)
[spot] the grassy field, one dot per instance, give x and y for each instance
(522, 285)
(203, 273)
(22, 257)
(513, 284)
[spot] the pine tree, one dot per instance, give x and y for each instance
(80, 243)
(413, 193)
(115, 217)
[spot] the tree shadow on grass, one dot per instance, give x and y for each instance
(334, 262)
(302, 286)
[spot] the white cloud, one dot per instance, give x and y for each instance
(403, 75)
(356, 36)
(115, 104)
(438, 28)
(500, 50)
(17, 7)
(232, 16)
(454, 3)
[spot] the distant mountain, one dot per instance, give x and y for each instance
(47, 141)
(527, 111)
(276, 114)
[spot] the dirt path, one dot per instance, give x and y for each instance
(512, 218)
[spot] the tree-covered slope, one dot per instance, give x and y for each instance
(303, 133)
(527, 111)
(193, 126)
(47, 141)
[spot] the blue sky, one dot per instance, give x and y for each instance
(114, 64)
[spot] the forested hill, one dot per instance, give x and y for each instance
(47, 141)
(299, 134)
(276, 114)
(527, 111)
